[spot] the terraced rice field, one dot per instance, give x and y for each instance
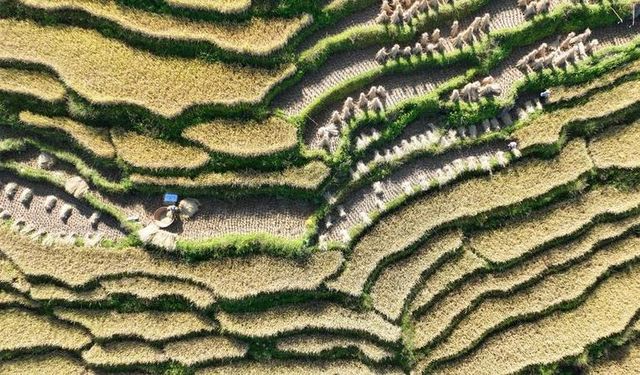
(185, 187)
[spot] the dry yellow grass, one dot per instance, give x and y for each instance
(125, 353)
(607, 311)
(186, 352)
(303, 367)
(22, 329)
(551, 291)
(257, 36)
(244, 138)
(618, 147)
(316, 316)
(11, 275)
(317, 344)
(147, 325)
(41, 85)
(95, 140)
(404, 227)
(55, 363)
(142, 151)
(222, 6)
(309, 177)
(107, 71)
(445, 276)
(9, 298)
(436, 319)
(52, 292)
(231, 278)
(628, 364)
(564, 93)
(395, 283)
(546, 128)
(517, 238)
(197, 350)
(150, 288)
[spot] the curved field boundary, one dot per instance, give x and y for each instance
(307, 177)
(95, 140)
(434, 318)
(400, 229)
(257, 36)
(40, 85)
(324, 344)
(244, 138)
(291, 367)
(617, 147)
(145, 152)
(308, 317)
(147, 325)
(14, 299)
(518, 238)
(105, 71)
(11, 276)
(187, 352)
(141, 287)
(231, 278)
(25, 330)
(545, 129)
(446, 278)
(606, 312)
(551, 292)
(395, 283)
(568, 93)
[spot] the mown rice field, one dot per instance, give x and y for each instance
(319, 187)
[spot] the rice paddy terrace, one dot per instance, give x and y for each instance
(319, 187)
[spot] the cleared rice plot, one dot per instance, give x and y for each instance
(552, 291)
(106, 71)
(404, 227)
(257, 36)
(142, 151)
(606, 311)
(461, 299)
(566, 93)
(150, 288)
(618, 147)
(231, 278)
(308, 316)
(147, 325)
(308, 176)
(303, 367)
(244, 138)
(55, 363)
(445, 277)
(628, 364)
(545, 129)
(516, 239)
(26, 82)
(319, 344)
(261, 215)
(95, 140)
(24, 330)
(396, 282)
(222, 6)
(186, 352)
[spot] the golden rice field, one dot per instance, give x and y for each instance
(162, 214)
